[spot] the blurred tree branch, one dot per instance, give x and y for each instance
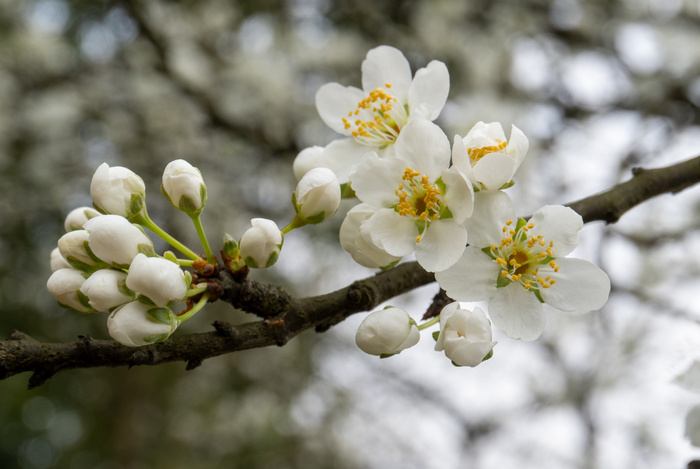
(285, 316)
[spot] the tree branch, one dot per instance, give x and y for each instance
(285, 316)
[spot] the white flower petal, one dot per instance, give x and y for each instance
(580, 286)
(517, 145)
(334, 102)
(559, 225)
(460, 158)
(494, 170)
(375, 179)
(459, 194)
(308, 159)
(425, 147)
(441, 245)
(484, 135)
(385, 64)
(517, 312)
(357, 244)
(391, 232)
(428, 91)
(472, 278)
(342, 156)
(492, 209)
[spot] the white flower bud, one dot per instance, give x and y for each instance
(117, 190)
(136, 324)
(307, 159)
(64, 285)
(184, 187)
(387, 332)
(261, 244)
(117, 241)
(158, 279)
(58, 261)
(78, 216)
(358, 243)
(465, 335)
(73, 247)
(106, 289)
(317, 195)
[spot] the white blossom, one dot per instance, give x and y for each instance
(387, 332)
(261, 244)
(465, 335)
(136, 324)
(115, 240)
(317, 195)
(64, 285)
(106, 289)
(184, 187)
(358, 243)
(73, 247)
(78, 216)
(160, 280)
(117, 190)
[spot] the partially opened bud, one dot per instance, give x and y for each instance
(78, 216)
(260, 246)
(106, 289)
(118, 191)
(184, 187)
(359, 244)
(387, 332)
(465, 335)
(64, 285)
(158, 279)
(136, 324)
(73, 247)
(317, 195)
(116, 241)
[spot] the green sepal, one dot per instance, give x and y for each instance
(137, 204)
(488, 252)
(435, 335)
(147, 250)
(390, 266)
(454, 364)
(145, 300)
(488, 355)
(387, 355)
(346, 191)
(169, 255)
(80, 265)
(507, 185)
(502, 281)
(250, 262)
(294, 202)
(83, 299)
(187, 205)
(315, 219)
(151, 339)
(231, 248)
(160, 315)
(273, 258)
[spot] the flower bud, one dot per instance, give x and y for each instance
(78, 216)
(73, 247)
(160, 280)
(317, 195)
(106, 289)
(387, 332)
(465, 335)
(64, 285)
(136, 324)
(118, 191)
(58, 261)
(307, 159)
(261, 244)
(358, 243)
(117, 241)
(184, 187)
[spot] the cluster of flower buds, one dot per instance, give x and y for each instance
(445, 204)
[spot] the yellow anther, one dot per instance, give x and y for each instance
(388, 85)
(418, 239)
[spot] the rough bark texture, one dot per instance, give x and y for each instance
(283, 316)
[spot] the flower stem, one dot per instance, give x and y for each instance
(144, 220)
(297, 222)
(203, 238)
(426, 325)
(195, 309)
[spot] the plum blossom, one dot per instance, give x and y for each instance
(387, 332)
(159, 279)
(136, 324)
(184, 187)
(261, 244)
(358, 243)
(465, 335)
(519, 265)
(486, 157)
(420, 202)
(317, 196)
(372, 118)
(117, 190)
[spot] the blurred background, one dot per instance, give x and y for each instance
(598, 86)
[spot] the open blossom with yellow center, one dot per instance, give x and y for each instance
(518, 265)
(419, 201)
(486, 157)
(371, 118)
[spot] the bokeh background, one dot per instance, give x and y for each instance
(598, 86)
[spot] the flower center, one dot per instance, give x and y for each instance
(475, 154)
(418, 198)
(378, 118)
(522, 256)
